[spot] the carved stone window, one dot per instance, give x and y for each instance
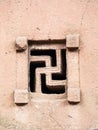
(47, 67)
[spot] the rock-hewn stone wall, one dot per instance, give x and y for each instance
(43, 20)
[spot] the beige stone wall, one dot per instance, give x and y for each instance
(49, 19)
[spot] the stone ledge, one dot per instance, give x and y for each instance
(42, 96)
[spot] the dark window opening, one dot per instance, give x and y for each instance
(55, 76)
(33, 66)
(50, 53)
(62, 75)
(47, 90)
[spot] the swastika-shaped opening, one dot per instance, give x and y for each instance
(47, 66)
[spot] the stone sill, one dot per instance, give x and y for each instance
(50, 97)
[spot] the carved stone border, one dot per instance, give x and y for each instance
(21, 92)
(21, 95)
(73, 83)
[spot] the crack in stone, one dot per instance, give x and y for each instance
(56, 122)
(82, 18)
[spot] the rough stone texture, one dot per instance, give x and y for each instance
(53, 19)
(21, 96)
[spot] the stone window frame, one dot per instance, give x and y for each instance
(22, 94)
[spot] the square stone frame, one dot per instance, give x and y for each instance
(22, 94)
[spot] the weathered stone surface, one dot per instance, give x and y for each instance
(21, 96)
(42, 20)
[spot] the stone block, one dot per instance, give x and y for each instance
(21, 96)
(72, 41)
(74, 95)
(21, 44)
